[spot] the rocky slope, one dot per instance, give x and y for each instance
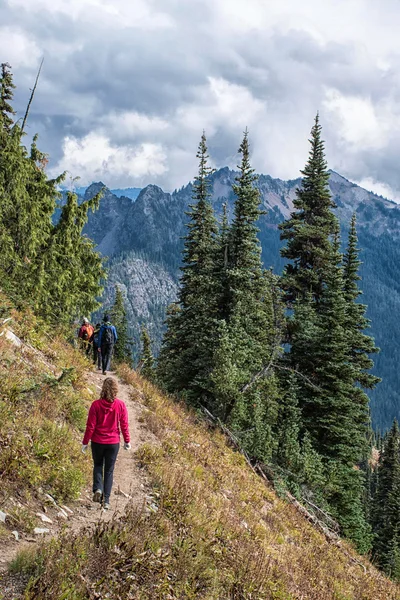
(150, 230)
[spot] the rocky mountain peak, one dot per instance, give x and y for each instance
(94, 188)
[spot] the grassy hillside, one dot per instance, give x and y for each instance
(212, 529)
(43, 399)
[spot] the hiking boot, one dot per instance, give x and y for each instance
(104, 372)
(106, 506)
(97, 496)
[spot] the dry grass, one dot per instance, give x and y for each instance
(42, 410)
(212, 530)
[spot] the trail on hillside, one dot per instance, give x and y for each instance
(129, 487)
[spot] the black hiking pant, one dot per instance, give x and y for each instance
(106, 355)
(96, 356)
(104, 457)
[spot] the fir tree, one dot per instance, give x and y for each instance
(308, 231)
(72, 269)
(7, 88)
(52, 268)
(334, 409)
(386, 506)
(361, 344)
(123, 347)
(244, 396)
(146, 360)
(185, 367)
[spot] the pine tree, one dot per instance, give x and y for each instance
(7, 88)
(146, 360)
(123, 347)
(361, 345)
(244, 396)
(52, 268)
(72, 269)
(222, 265)
(185, 366)
(310, 227)
(386, 506)
(334, 408)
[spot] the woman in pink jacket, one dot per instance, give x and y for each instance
(107, 417)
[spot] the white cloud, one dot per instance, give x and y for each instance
(122, 13)
(17, 48)
(357, 120)
(377, 187)
(132, 124)
(94, 157)
(145, 77)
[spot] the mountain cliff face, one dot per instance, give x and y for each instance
(143, 239)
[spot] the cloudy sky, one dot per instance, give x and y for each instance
(128, 85)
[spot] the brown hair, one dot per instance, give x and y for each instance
(109, 390)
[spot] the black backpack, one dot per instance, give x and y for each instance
(108, 336)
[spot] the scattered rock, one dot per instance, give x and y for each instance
(41, 530)
(16, 535)
(44, 518)
(62, 514)
(3, 516)
(13, 338)
(50, 498)
(67, 510)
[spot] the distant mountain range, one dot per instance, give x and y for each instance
(143, 240)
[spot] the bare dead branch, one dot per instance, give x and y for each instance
(32, 95)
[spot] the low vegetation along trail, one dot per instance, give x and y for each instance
(129, 486)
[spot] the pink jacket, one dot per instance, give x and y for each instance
(105, 421)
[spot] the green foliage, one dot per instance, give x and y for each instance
(288, 452)
(245, 396)
(146, 360)
(186, 356)
(361, 344)
(50, 267)
(123, 347)
(328, 348)
(386, 505)
(307, 232)
(224, 330)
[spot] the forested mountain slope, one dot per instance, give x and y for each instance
(151, 229)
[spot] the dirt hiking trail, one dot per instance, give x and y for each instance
(129, 487)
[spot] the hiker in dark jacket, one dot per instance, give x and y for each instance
(95, 341)
(107, 339)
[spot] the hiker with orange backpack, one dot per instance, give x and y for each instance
(85, 335)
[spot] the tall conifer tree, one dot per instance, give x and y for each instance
(361, 344)
(248, 332)
(308, 231)
(52, 268)
(185, 365)
(334, 415)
